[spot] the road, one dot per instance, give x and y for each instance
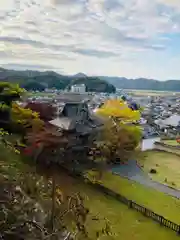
(133, 172)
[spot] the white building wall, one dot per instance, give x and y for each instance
(148, 144)
(80, 88)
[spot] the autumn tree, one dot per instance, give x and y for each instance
(51, 146)
(13, 117)
(24, 119)
(116, 143)
(45, 110)
(118, 110)
(121, 133)
(8, 94)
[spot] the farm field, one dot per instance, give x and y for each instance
(151, 92)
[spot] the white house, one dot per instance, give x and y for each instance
(78, 88)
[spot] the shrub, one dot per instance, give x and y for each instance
(153, 171)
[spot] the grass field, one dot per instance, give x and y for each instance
(167, 166)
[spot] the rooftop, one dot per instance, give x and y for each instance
(72, 98)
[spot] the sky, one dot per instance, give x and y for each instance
(129, 38)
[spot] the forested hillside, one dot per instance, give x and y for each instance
(34, 80)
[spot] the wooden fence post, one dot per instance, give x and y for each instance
(179, 230)
(161, 222)
(130, 204)
(145, 212)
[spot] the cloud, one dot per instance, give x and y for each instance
(121, 37)
(63, 2)
(22, 66)
(34, 43)
(96, 53)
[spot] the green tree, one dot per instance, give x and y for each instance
(12, 116)
(24, 119)
(8, 94)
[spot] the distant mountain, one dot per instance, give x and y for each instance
(80, 75)
(97, 83)
(143, 83)
(36, 80)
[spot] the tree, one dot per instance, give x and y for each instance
(120, 136)
(13, 117)
(119, 110)
(24, 119)
(94, 84)
(47, 145)
(33, 86)
(45, 110)
(116, 143)
(8, 94)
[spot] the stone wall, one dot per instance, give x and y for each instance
(167, 148)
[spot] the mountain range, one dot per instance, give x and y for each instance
(95, 83)
(143, 83)
(36, 80)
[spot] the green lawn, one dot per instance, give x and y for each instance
(125, 223)
(171, 142)
(160, 203)
(167, 166)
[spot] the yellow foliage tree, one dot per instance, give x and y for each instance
(120, 137)
(116, 142)
(119, 110)
(25, 118)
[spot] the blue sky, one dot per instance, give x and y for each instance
(130, 38)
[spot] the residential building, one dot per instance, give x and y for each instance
(78, 88)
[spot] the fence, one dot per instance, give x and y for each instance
(131, 204)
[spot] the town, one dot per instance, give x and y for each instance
(160, 115)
